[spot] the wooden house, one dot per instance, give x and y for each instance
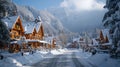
(15, 26)
(34, 30)
(16, 30)
(40, 31)
(104, 39)
(34, 33)
(101, 37)
(30, 30)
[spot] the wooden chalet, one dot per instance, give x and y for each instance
(16, 29)
(40, 31)
(34, 33)
(30, 30)
(15, 26)
(26, 34)
(104, 39)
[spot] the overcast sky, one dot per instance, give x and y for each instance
(79, 4)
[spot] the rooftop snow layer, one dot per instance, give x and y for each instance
(9, 21)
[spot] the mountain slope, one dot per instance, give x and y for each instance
(51, 24)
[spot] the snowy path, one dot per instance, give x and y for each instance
(68, 59)
(76, 61)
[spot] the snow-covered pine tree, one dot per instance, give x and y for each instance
(4, 32)
(111, 20)
(8, 8)
(4, 35)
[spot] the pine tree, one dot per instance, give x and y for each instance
(4, 35)
(114, 23)
(7, 6)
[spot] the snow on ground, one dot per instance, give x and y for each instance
(16, 60)
(86, 58)
(59, 51)
(97, 60)
(104, 60)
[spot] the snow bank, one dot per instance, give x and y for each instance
(81, 54)
(27, 59)
(104, 60)
(16, 60)
(98, 59)
(59, 51)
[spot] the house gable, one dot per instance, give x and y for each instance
(15, 27)
(41, 32)
(18, 25)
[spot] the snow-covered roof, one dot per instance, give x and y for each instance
(37, 26)
(29, 27)
(19, 42)
(43, 41)
(10, 21)
(40, 41)
(95, 42)
(13, 42)
(106, 33)
(76, 39)
(107, 44)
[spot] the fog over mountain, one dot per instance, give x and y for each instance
(78, 21)
(80, 15)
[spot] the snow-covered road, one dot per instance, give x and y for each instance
(60, 58)
(67, 59)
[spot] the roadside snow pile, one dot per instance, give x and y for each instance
(82, 54)
(104, 60)
(16, 60)
(98, 59)
(27, 59)
(59, 51)
(55, 52)
(111, 63)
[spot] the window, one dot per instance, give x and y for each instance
(17, 26)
